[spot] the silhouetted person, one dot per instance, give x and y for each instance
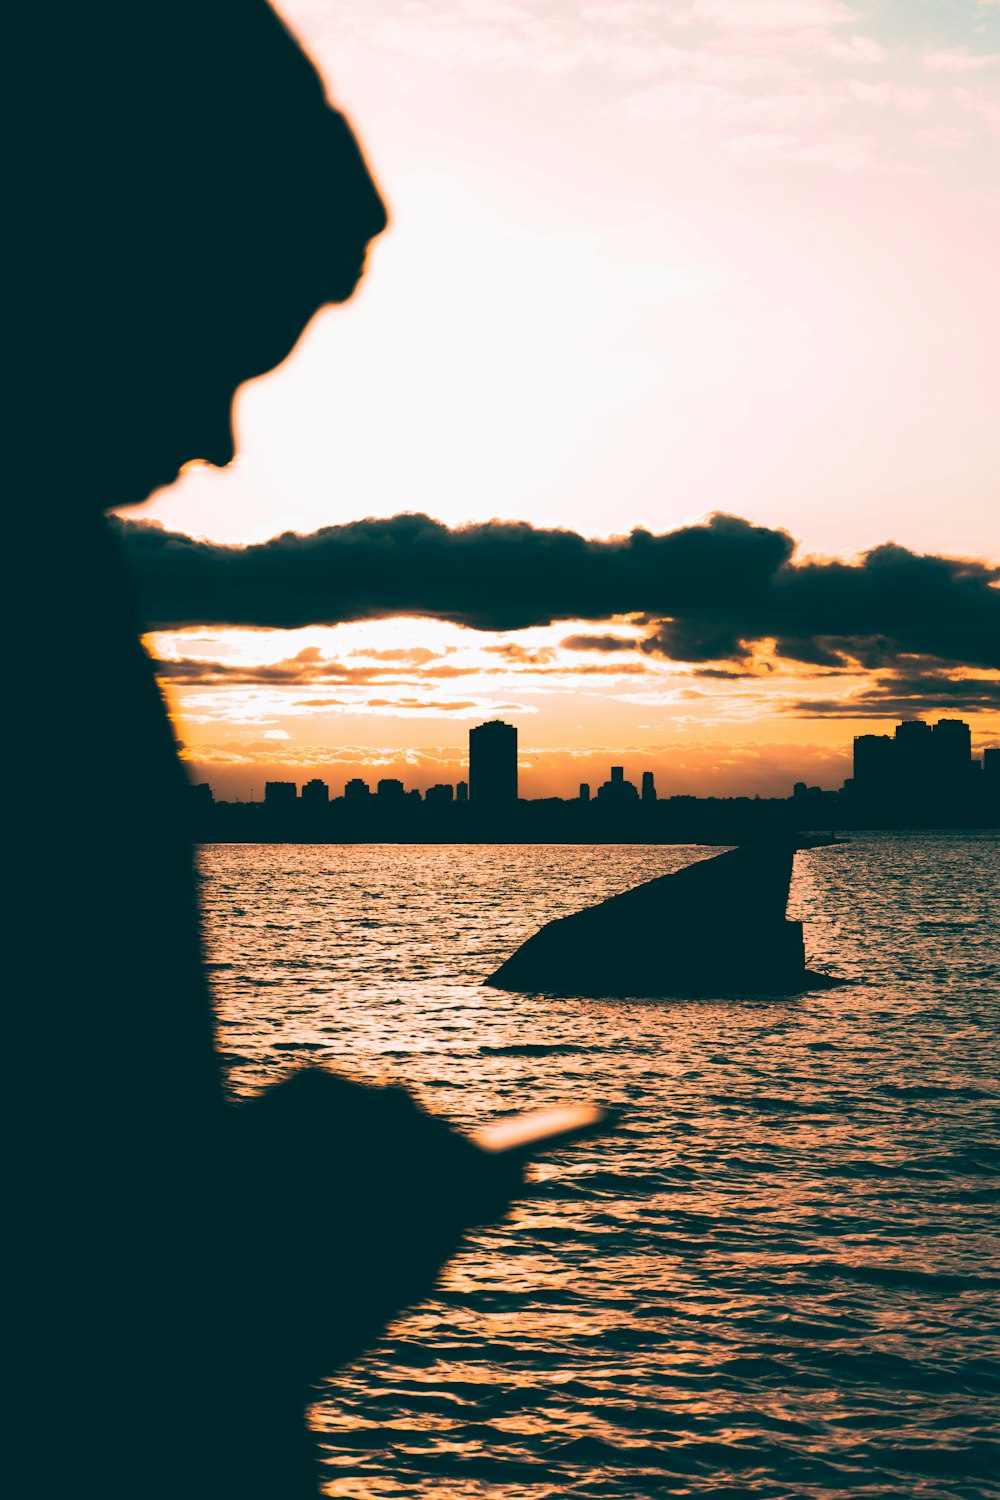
(183, 1268)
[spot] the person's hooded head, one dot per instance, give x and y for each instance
(190, 200)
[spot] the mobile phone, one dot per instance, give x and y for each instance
(542, 1130)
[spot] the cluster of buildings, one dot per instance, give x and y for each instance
(492, 780)
(389, 793)
(919, 760)
(492, 783)
(920, 771)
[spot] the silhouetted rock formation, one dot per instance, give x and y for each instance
(717, 927)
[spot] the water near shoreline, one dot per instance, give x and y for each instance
(777, 1280)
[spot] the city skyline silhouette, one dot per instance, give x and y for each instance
(921, 776)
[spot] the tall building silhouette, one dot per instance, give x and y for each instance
(493, 764)
(951, 751)
(315, 793)
(914, 746)
(617, 791)
(874, 764)
(648, 787)
(278, 794)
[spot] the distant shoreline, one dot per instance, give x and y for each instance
(810, 838)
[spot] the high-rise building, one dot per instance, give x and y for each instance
(919, 767)
(356, 790)
(951, 746)
(280, 794)
(991, 765)
(874, 760)
(315, 793)
(440, 795)
(584, 791)
(648, 787)
(617, 791)
(462, 792)
(493, 765)
(389, 790)
(914, 756)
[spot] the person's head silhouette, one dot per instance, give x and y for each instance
(195, 201)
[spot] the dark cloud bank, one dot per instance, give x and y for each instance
(706, 593)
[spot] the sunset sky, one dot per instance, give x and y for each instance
(649, 260)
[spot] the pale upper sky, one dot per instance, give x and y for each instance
(648, 259)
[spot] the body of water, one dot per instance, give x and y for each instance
(777, 1279)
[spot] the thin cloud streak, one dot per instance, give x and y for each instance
(899, 695)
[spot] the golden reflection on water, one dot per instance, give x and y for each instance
(773, 1281)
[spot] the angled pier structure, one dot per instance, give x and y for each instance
(717, 927)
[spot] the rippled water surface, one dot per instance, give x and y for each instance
(777, 1279)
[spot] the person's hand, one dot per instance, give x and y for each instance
(349, 1200)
